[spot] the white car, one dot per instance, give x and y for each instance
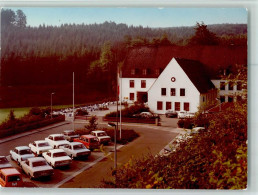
(76, 150)
(4, 163)
(37, 167)
(189, 115)
(40, 146)
(56, 139)
(21, 153)
(102, 136)
(181, 114)
(57, 158)
(69, 135)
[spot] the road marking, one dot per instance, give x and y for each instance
(84, 168)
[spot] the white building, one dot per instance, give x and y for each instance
(181, 86)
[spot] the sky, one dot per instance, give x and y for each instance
(151, 17)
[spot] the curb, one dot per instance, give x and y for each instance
(12, 137)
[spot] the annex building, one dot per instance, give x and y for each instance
(158, 77)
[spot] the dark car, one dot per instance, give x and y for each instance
(171, 114)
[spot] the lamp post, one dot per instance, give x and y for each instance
(51, 104)
(115, 156)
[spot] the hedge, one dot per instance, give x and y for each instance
(29, 126)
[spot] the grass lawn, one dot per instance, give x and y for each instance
(19, 112)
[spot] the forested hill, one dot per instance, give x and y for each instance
(72, 39)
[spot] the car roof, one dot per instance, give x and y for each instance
(99, 131)
(88, 136)
(56, 135)
(22, 147)
(10, 171)
(40, 141)
(35, 159)
(75, 143)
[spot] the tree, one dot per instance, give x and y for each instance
(21, 19)
(7, 17)
(92, 124)
(203, 36)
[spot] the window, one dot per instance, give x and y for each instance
(143, 83)
(132, 71)
(239, 86)
(132, 96)
(168, 106)
(144, 71)
(163, 91)
(222, 99)
(157, 72)
(173, 92)
(177, 106)
(230, 98)
(159, 105)
(186, 106)
(222, 85)
(182, 92)
(230, 86)
(131, 83)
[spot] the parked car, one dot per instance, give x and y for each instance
(91, 142)
(10, 177)
(144, 115)
(181, 114)
(69, 135)
(40, 146)
(57, 158)
(21, 153)
(76, 150)
(102, 136)
(56, 139)
(4, 163)
(197, 130)
(171, 114)
(189, 115)
(37, 167)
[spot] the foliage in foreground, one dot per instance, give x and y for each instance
(213, 159)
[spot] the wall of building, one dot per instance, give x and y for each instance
(126, 90)
(192, 95)
(226, 93)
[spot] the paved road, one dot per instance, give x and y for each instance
(152, 139)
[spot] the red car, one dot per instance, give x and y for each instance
(10, 177)
(91, 142)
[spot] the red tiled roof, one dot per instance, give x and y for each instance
(153, 57)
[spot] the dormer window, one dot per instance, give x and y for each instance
(133, 71)
(144, 71)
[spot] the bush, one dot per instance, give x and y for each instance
(92, 124)
(130, 111)
(212, 159)
(80, 112)
(128, 135)
(186, 123)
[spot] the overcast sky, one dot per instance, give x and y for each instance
(152, 17)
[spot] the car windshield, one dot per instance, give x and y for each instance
(59, 138)
(78, 147)
(26, 151)
(43, 144)
(59, 154)
(39, 163)
(102, 134)
(14, 178)
(3, 160)
(71, 133)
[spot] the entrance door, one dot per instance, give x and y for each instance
(142, 97)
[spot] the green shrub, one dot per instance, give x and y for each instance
(186, 123)
(211, 159)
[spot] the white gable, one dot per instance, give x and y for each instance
(173, 71)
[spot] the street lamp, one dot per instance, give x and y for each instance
(115, 156)
(51, 104)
